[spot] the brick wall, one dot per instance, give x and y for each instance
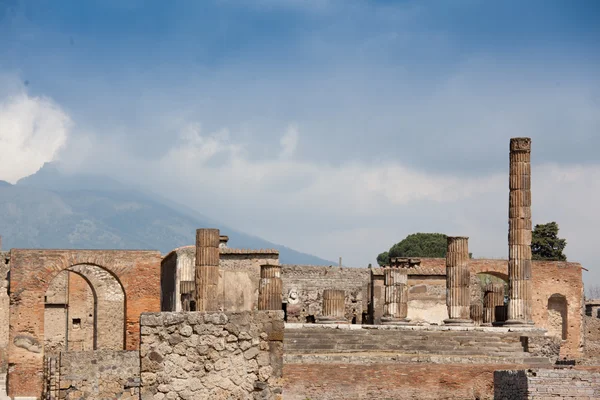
(388, 381)
(543, 384)
(197, 355)
(31, 272)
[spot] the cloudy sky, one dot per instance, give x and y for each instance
(333, 127)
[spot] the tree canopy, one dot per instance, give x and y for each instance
(417, 245)
(545, 243)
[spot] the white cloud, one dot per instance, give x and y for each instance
(289, 141)
(32, 131)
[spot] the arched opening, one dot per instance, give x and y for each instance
(557, 316)
(84, 310)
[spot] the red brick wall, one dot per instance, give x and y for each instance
(33, 270)
(389, 381)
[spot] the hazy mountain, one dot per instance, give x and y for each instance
(53, 210)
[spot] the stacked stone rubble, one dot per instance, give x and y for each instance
(519, 233)
(458, 295)
(493, 296)
(334, 306)
(396, 292)
(207, 269)
(270, 289)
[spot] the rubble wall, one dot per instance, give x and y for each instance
(203, 355)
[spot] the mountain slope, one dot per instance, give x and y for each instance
(50, 210)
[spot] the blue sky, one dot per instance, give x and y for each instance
(345, 125)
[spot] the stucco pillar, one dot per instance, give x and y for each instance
(270, 289)
(395, 308)
(207, 269)
(493, 296)
(458, 277)
(334, 307)
(519, 233)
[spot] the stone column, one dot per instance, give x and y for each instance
(334, 307)
(207, 269)
(270, 289)
(395, 308)
(476, 312)
(493, 296)
(519, 233)
(458, 277)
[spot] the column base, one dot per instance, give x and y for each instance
(458, 322)
(394, 321)
(331, 320)
(518, 322)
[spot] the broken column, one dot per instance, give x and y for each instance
(493, 296)
(334, 307)
(207, 269)
(458, 277)
(519, 233)
(395, 308)
(476, 312)
(270, 295)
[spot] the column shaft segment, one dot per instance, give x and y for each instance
(493, 296)
(334, 307)
(519, 233)
(395, 308)
(458, 277)
(270, 289)
(207, 269)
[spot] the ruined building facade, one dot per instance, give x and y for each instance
(210, 321)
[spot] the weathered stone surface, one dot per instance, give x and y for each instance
(458, 279)
(207, 269)
(538, 384)
(519, 234)
(226, 357)
(270, 295)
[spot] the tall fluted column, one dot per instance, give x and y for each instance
(270, 296)
(458, 277)
(395, 308)
(334, 307)
(519, 233)
(493, 296)
(207, 269)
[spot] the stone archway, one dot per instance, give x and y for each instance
(84, 310)
(557, 316)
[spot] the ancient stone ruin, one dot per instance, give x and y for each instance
(208, 321)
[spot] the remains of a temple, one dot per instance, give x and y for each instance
(476, 312)
(333, 307)
(519, 233)
(493, 296)
(458, 277)
(270, 289)
(396, 292)
(207, 269)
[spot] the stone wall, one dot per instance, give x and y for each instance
(592, 339)
(303, 287)
(102, 374)
(239, 274)
(197, 355)
(542, 384)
